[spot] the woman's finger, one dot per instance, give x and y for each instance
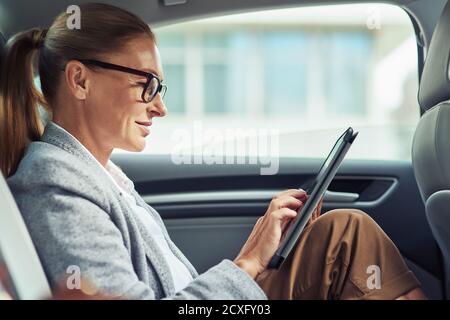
(316, 213)
(286, 202)
(285, 224)
(285, 228)
(282, 214)
(319, 208)
(296, 193)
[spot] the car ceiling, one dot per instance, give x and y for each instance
(17, 15)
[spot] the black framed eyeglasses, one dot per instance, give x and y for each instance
(152, 87)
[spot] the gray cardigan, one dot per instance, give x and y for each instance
(76, 217)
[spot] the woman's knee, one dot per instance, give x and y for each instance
(342, 225)
(342, 217)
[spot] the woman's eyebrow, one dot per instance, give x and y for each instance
(153, 72)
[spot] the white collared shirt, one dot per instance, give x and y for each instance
(180, 273)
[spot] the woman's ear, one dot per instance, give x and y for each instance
(76, 75)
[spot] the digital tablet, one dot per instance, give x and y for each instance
(315, 192)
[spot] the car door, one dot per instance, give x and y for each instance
(209, 200)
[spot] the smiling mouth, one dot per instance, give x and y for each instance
(144, 123)
(144, 126)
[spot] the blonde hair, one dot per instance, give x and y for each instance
(104, 29)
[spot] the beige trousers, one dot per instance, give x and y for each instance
(344, 254)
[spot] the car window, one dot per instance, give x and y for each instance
(289, 81)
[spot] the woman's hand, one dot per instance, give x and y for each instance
(317, 212)
(266, 235)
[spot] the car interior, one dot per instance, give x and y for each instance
(211, 208)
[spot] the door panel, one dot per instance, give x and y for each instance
(210, 210)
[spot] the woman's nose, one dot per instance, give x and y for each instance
(157, 107)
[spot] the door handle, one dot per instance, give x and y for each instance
(247, 195)
(335, 196)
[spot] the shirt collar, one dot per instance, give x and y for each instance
(116, 175)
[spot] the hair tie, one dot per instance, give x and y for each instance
(41, 38)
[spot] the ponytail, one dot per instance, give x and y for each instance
(19, 115)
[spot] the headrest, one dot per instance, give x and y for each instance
(435, 82)
(431, 151)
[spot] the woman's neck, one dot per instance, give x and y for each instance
(87, 138)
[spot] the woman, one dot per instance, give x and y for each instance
(103, 85)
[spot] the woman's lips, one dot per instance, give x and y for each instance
(144, 126)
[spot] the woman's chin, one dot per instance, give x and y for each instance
(136, 145)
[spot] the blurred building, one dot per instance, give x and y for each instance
(307, 72)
